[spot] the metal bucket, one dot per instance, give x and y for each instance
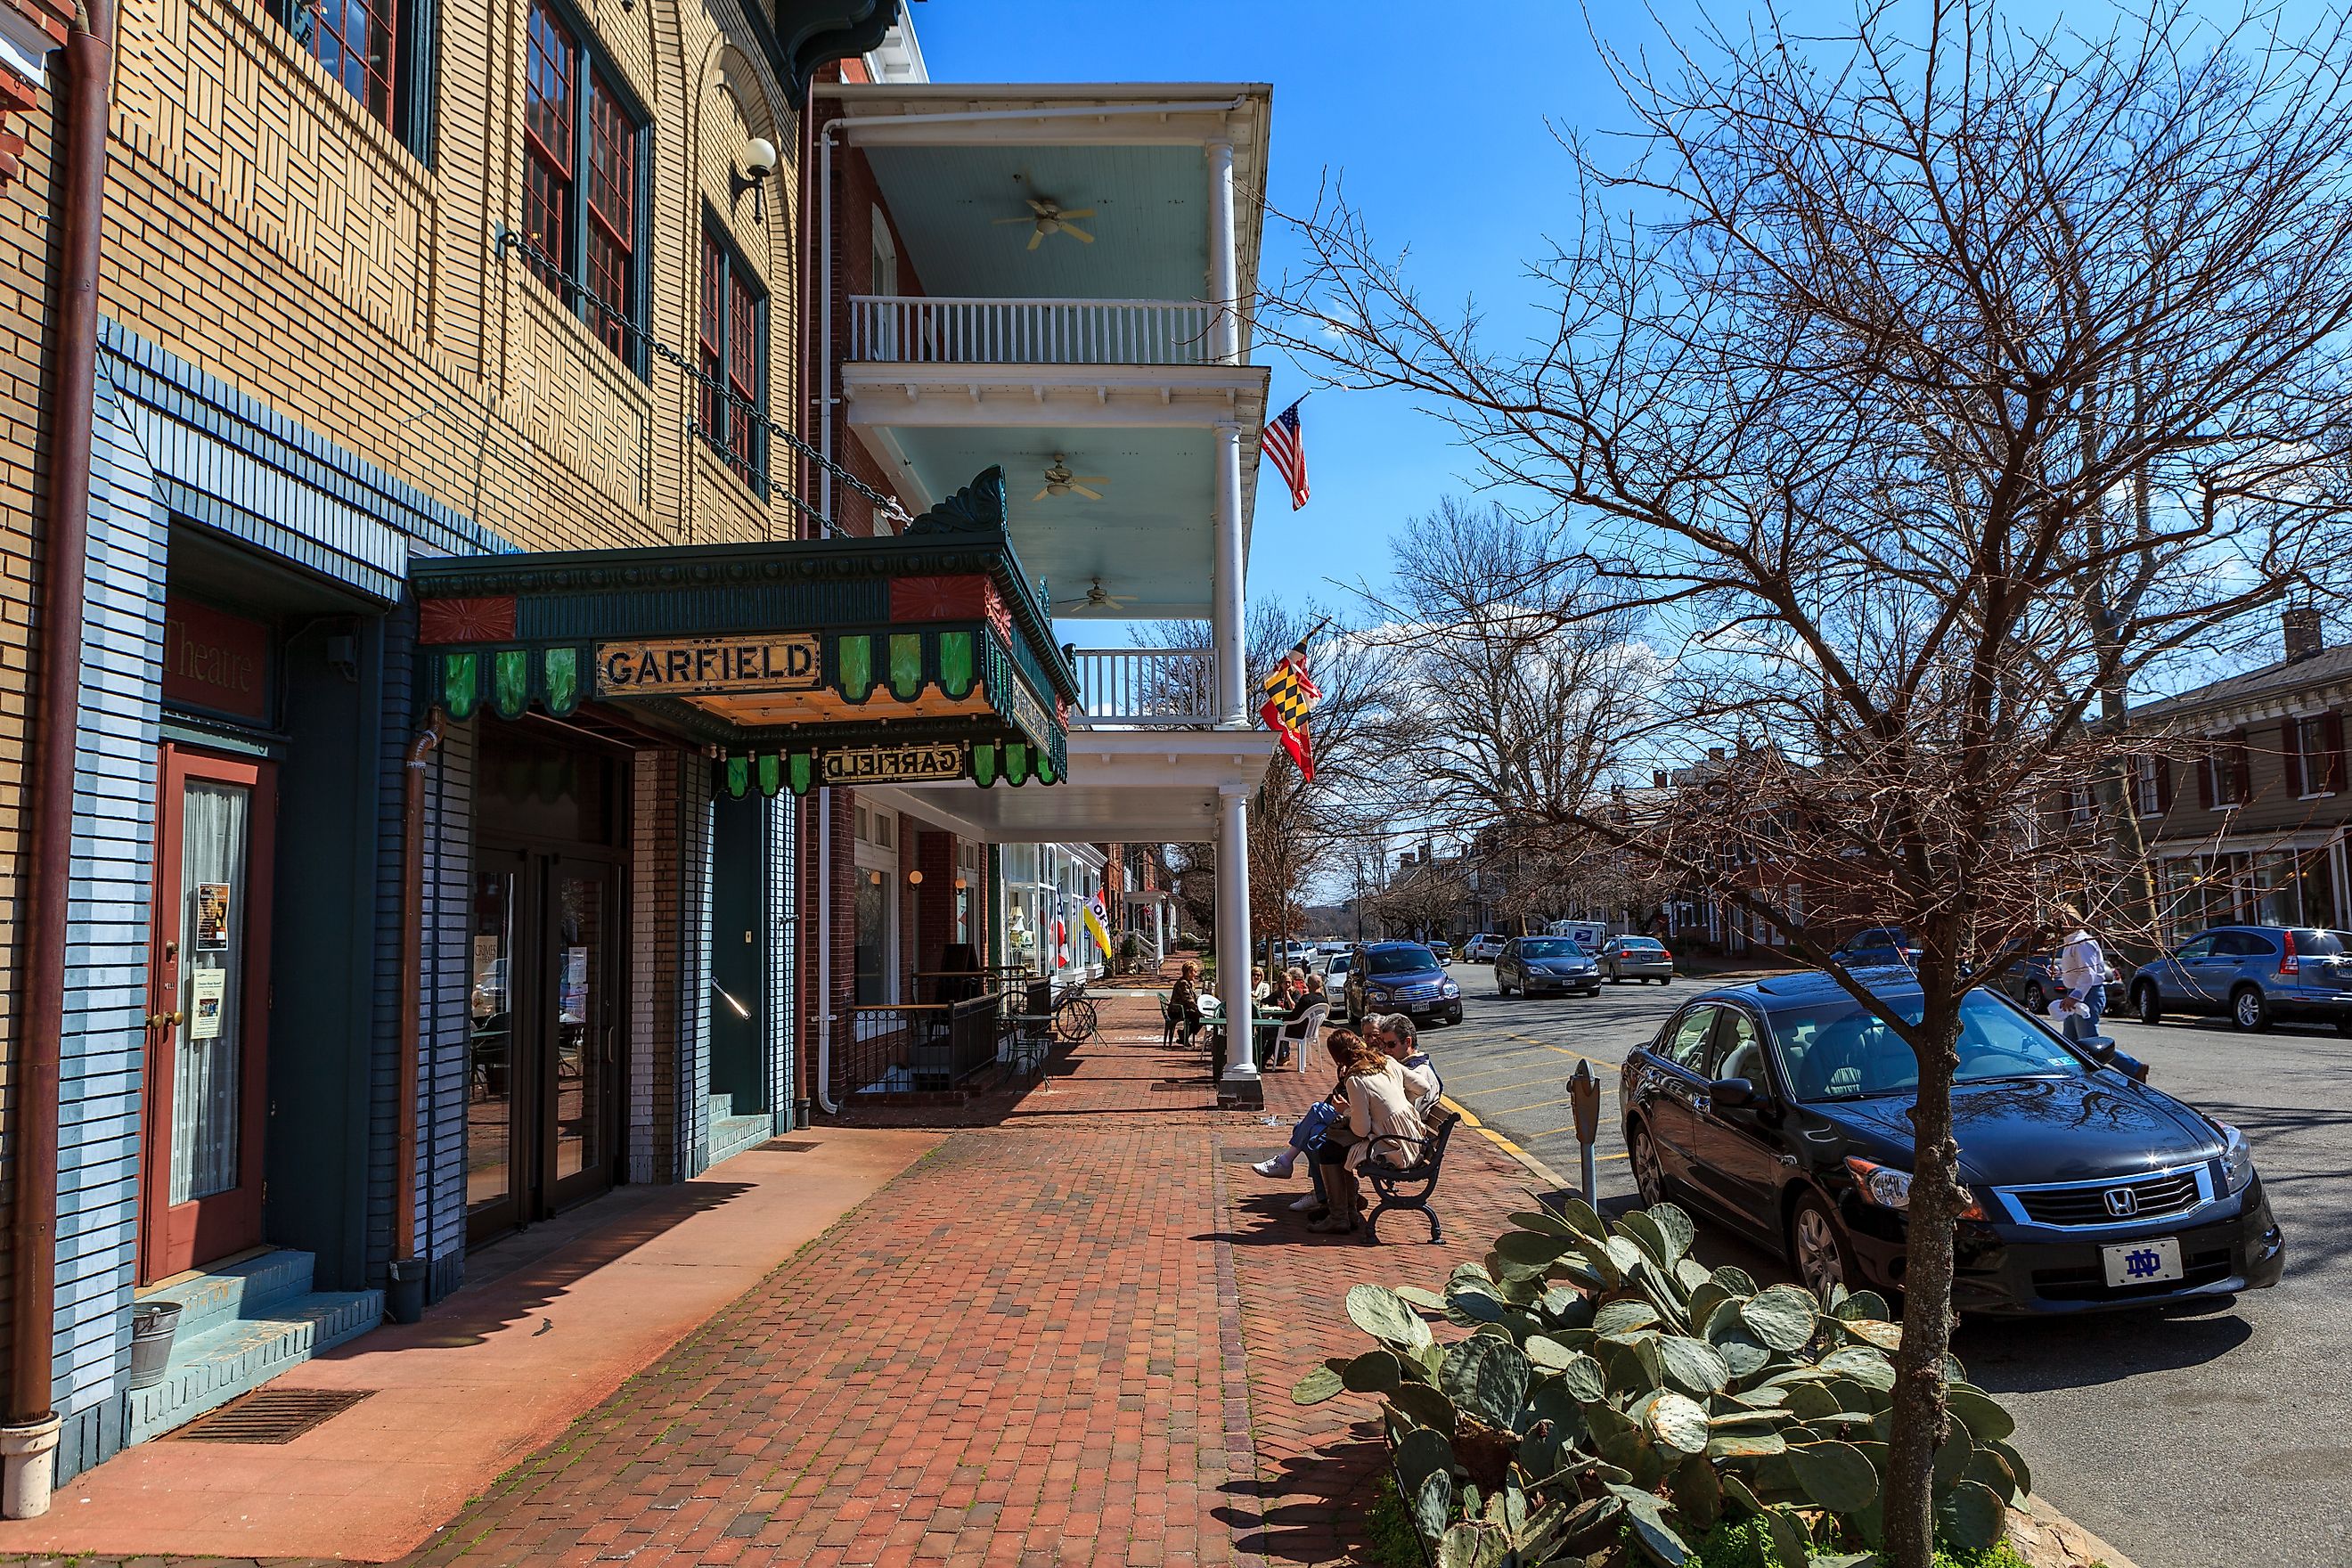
(152, 1324)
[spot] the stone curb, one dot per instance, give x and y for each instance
(2042, 1536)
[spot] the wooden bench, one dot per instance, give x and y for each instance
(1395, 1183)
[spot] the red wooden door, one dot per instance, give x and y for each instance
(207, 1011)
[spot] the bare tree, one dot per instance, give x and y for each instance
(1941, 379)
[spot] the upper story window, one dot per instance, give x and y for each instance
(583, 143)
(2150, 785)
(733, 343)
(2314, 754)
(369, 47)
(2222, 774)
(2078, 806)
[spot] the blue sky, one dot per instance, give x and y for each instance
(1440, 134)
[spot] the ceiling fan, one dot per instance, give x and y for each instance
(1096, 599)
(1047, 216)
(1060, 481)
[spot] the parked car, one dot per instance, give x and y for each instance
(1538, 963)
(1635, 958)
(1483, 948)
(1335, 979)
(1400, 977)
(2253, 975)
(1877, 947)
(1443, 948)
(2034, 981)
(1782, 1109)
(1586, 934)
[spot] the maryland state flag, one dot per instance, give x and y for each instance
(1290, 695)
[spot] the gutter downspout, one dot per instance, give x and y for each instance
(825, 398)
(822, 1088)
(29, 1438)
(412, 1001)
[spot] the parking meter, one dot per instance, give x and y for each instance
(1585, 1105)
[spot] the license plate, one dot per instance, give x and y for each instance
(2143, 1262)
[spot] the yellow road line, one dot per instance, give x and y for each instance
(1541, 1171)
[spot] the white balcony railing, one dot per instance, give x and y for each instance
(1169, 686)
(934, 331)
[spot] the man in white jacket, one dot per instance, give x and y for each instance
(2082, 972)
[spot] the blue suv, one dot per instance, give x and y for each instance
(2253, 975)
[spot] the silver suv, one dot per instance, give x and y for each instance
(2253, 975)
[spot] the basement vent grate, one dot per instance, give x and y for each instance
(270, 1415)
(1183, 1085)
(789, 1145)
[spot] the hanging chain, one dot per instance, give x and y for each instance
(511, 239)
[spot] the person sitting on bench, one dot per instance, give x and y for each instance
(1308, 1134)
(1394, 1033)
(1381, 1124)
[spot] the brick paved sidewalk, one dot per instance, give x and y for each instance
(1067, 1338)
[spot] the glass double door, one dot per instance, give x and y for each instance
(542, 1069)
(207, 1011)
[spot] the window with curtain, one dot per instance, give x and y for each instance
(583, 186)
(361, 44)
(733, 330)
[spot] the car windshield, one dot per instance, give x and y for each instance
(1837, 1050)
(1399, 960)
(1339, 961)
(1550, 947)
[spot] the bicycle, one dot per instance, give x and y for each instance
(1074, 1016)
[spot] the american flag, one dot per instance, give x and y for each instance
(1286, 443)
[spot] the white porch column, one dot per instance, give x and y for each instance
(1224, 257)
(1229, 623)
(1233, 930)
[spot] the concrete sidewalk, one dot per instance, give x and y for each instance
(1068, 1336)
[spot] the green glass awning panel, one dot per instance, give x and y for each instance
(560, 671)
(510, 681)
(461, 684)
(738, 777)
(1016, 763)
(957, 669)
(854, 661)
(803, 772)
(771, 774)
(983, 765)
(907, 665)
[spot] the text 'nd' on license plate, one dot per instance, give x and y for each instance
(2150, 1262)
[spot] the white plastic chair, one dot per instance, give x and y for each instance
(1302, 1034)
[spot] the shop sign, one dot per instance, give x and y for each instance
(1028, 712)
(894, 765)
(215, 661)
(683, 666)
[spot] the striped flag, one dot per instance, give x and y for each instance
(1285, 445)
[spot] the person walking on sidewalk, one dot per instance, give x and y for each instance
(2083, 976)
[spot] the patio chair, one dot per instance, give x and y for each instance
(1170, 1020)
(1290, 1041)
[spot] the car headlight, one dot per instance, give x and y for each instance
(1377, 992)
(2237, 1158)
(1889, 1188)
(1450, 989)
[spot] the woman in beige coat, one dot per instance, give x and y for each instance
(1382, 1124)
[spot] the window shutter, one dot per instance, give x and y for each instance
(2290, 756)
(2241, 765)
(2331, 730)
(2206, 764)
(2163, 785)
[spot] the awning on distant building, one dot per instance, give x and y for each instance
(922, 657)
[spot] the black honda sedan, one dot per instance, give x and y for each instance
(1780, 1107)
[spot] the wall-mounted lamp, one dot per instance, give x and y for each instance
(877, 877)
(758, 162)
(961, 884)
(915, 878)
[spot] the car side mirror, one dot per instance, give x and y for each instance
(1729, 1092)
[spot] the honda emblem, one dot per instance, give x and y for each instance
(2122, 1201)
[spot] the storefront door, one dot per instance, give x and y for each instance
(541, 1100)
(207, 1011)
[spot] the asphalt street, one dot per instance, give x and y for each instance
(2207, 1438)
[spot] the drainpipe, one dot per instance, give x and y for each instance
(29, 1436)
(825, 398)
(408, 1269)
(822, 1088)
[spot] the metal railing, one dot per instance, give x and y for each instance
(932, 330)
(1172, 687)
(912, 1048)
